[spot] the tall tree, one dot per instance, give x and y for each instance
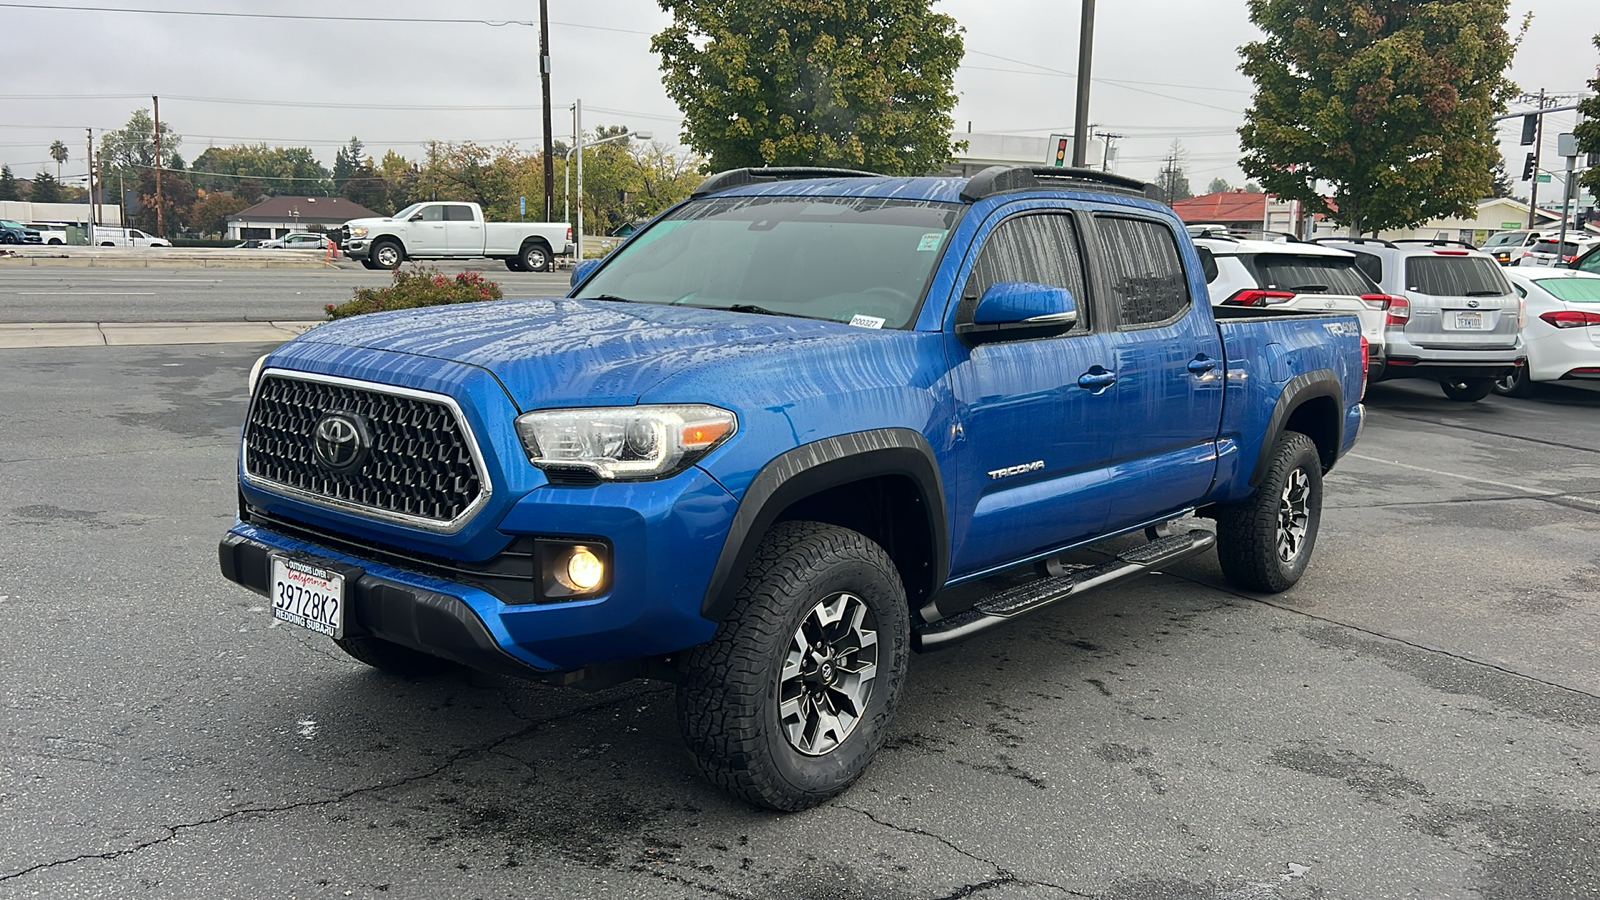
(210, 212)
(813, 82)
(346, 161)
(1588, 130)
(9, 189)
(1386, 102)
(1218, 186)
(1173, 179)
(58, 152)
(130, 150)
(1499, 181)
(45, 188)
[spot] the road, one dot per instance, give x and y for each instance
(46, 294)
(1420, 717)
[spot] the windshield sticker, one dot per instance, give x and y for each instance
(861, 321)
(930, 242)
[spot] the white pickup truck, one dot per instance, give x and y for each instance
(454, 230)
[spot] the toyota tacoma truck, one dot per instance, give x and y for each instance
(453, 230)
(753, 449)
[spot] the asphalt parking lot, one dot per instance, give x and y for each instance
(1419, 717)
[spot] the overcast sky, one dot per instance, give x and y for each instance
(1163, 69)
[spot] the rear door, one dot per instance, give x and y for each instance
(463, 231)
(1167, 357)
(1036, 418)
(1459, 301)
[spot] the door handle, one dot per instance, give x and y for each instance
(1096, 380)
(1202, 364)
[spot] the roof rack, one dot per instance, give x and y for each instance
(733, 178)
(1435, 242)
(999, 179)
(1354, 240)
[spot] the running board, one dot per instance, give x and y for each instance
(992, 612)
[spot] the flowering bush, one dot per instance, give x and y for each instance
(421, 286)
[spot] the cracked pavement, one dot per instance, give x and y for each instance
(1419, 717)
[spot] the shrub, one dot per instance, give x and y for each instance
(421, 286)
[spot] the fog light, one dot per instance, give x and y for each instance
(584, 569)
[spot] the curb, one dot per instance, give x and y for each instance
(162, 262)
(146, 334)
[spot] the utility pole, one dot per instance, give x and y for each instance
(1538, 141)
(90, 161)
(1080, 141)
(549, 141)
(1105, 157)
(577, 138)
(100, 200)
(161, 221)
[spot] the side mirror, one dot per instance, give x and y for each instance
(1011, 310)
(582, 270)
(416, 218)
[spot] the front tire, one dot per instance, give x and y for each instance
(393, 658)
(1264, 543)
(1467, 390)
(788, 702)
(367, 263)
(387, 254)
(535, 257)
(1518, 384)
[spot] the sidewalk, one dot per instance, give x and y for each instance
(141, 334)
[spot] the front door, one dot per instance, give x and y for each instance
(427, 237)
(1033, 443)
(1167, 356)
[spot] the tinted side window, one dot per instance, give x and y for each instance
(1311, 274)
(1041, 248)
(458, 214)
(431, 213)
(1147, 281)
(1455, 276)
(1371, 265)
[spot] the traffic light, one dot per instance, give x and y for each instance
(1527, 169)
(1530, 126)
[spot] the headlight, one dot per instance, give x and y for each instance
(358, 232)
(255, 376)
(627, 443)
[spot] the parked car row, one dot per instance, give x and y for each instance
(1439, 310)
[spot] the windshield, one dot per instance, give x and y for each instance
(406, 212)
(1573, 290)
(866, 260)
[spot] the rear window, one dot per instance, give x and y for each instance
(1507, 237)
(1311, 274)
(1455, 276)
(1573, 290)
(1549, 246)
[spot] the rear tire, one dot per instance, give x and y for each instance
(1264, 543)
(535, 257)
(788, 702)
(393, 658)
(1517, 384)
(514, 263)
(1467, 390)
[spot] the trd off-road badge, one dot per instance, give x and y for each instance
(341, 442)
(1009, 471)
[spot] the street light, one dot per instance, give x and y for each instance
(578, 149)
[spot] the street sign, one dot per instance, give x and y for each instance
(1508, 225)
(1543, 178)
(523, 205)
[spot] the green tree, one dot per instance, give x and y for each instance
(813, 82)
(210, 212)
(1588, 131)
(346, 161)
(9, 188)
(1499, 181)
(284, 170)
(1386, 103)
(58, 152)
(177, 201)
(45, 188)
(129, 150)
(1218, 186)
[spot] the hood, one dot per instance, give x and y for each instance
(558, 352)
(369, 221)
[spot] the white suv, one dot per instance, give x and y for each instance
(1293, 275)
(1453, 317)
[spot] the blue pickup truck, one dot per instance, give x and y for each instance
(752, 449)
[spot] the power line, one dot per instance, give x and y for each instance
(493, 23)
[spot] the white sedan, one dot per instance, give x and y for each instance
(1562, 334)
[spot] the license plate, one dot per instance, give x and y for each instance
(1469, 321)
(307, 596)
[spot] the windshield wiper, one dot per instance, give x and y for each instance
(1485, 293)
(610, 297)
(1310, 289)
(761, 310)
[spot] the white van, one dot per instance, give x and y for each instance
(112, 236)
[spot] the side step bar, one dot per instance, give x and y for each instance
(1001, 608)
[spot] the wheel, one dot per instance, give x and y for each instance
(1517, 384)
(535, 257)
(393, 658)
(1265, 542)
(7, 237)
(55, 241)
(787, 703)
(107, 244)
(1467, 390)
(387, 255)
(366, 261)
(514, 263)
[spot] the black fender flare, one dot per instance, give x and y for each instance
(815, 467)
(1296, 391)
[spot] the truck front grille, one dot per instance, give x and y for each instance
(421, 467)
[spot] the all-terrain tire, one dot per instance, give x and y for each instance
(1265, 542)
(1467, 390)
(393, 658)
(730, 696)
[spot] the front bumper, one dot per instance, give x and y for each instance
(357, 248)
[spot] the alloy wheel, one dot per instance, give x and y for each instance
(828, 673)
(1294, 515)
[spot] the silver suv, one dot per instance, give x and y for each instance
(1452, 316)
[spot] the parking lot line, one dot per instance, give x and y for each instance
(1539, 492)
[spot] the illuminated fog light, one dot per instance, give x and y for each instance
(585, 571)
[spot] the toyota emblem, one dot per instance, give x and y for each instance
(341, 442)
